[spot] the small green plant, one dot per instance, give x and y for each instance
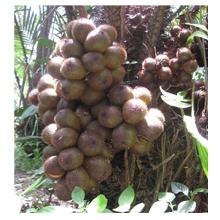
(167, 200)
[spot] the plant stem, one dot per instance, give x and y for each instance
(127, 177)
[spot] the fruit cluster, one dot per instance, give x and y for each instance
(88, 112)
(161, 69)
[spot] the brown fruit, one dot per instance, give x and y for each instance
(41, 110)
(48, 116)
(69, 29)
(90, 143)
(91, 96)
(72, 68)
(71, 89)
(33, 96)
(165, 73)
(142, 93)
(71, 104)
(155, 112)
(101, 80)
(149, 64)
(81, 29)
(61, 190)
(145, 77)
(98, 167)
(107, 152)
(77, 177)
(183, 35)
(96, 108)
(52, 168)
(98, 129)
(162, 60)
(110, 116)
(48, 132)
(150, 128)
(134, 110)
(184, 54)
(190, 66)
(115, 56)
(70, 48)
(110, 30)
(93, 186)
(141, 147)
(49, 151)
(97, 41)
(84, 115)
(67, 118)
(174, 64)
(118, 75)
(70, 158)
(124, 136)
(64, 138)
(93, 61)
(46, 81)
(184, 77)
(49, 98)
(175, 30)
(119, 94)
(53, 67)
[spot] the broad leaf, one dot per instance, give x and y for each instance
(166, 196)
(200, 34)
(186, 206)
(107, 211)
(126, 197)
(98, 204)
(158, 207)
(200, 190)
(46, 42)
(31, 110)
(137, 208)
(123, 208)
(78, 195)
(46, 209)
(179, 187)
(200, 26)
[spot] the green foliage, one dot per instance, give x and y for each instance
(78, 195)
(97, 205)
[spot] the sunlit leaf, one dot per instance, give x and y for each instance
(126, 197)
(200, 34)
(31, 110)
(78, 195)
(166, 196)
(179, 187)
(186, 206)
(158, 207)
(200, 26)
(98, 204)
(137, 208)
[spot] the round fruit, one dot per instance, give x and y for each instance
(97, 41)
(165, 73)
(115, 56)
(162, 60)
(141, 147)
(96, 108)
(101, 80)
(70, 48)
(93, 61)
(71, 104)
(107, 152)
(61, 190)
(84, 116)
(184, 77)
(48, 132)
(110, 116)
(70, 89)
(149, 64)
(98, 167)
(64, 138)
(93, 186)
(48, 97)
(118, 75)
(52, 168)
(49, 151)
(110, 30)
(124, 136)
(150, 128)
(142, 93)
(69, 29)
(184, 34)
(33, 96)
(70, 158)
(72, 68)
(91, 96)
(175, 30)
(67, 118)
(48, 116)
(190, 66)
(174, 64)
(134, 110)
(90, 143)
(46, 81)
(81, 29)
(155, 112)
(98, 129)
(119, 94)
(41, 110)
(184, 54)
(53, 67)
(145, 77)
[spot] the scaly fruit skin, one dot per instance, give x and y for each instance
(140, 92)
(49, 151)
(48, 116)
(149, 64)
(61, 190)
(84, 116)
(165, 73)
(33, 96)
(190, 66)
(184, 54)
(46, 81)
(53, 67)
(118, 75)
(47, 133)
(110, 30)
(141, 147)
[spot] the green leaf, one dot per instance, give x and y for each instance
(107, 211)
(200, 34)
(158, 207)
(200, 190)
(97, 205)
(27, 138)
(78, 195)
(200, 26)
(31, 110)
(179, 187)
(126, 197)
(166, 196)
(31, 210)
(137, 208)
(46, 209)
(186, 206)
(123, 208)
(46, 42)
